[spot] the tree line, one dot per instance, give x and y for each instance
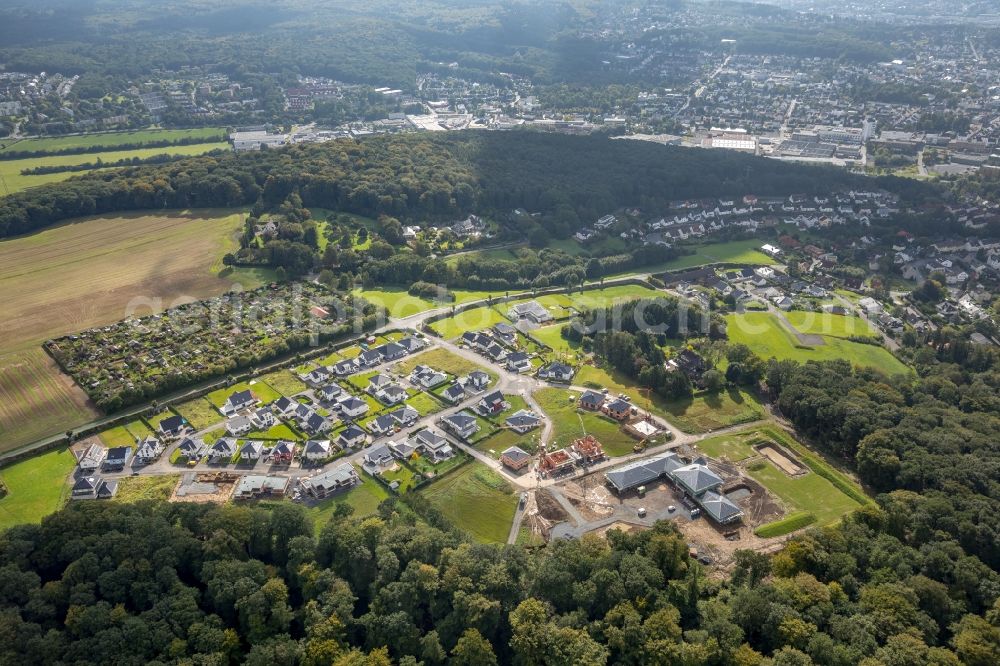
(14, 154)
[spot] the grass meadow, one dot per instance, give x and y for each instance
(476, 500)
(36, 487)
(767, 337)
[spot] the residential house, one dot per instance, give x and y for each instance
(411, 344)
(283, 453)
(192, 449)
(352, 408)
(522, 421)
(367, 359)
(393, 394)
(642, 472)
(238, 425)
(506, 334)
(257, 485)
(519, 362)
(618, 409)
(117, 458)
(262, 419)
(433, 445)
(402, 449)
(330, 481)
(477, 381)
(515, 458)
(91, 458)
(427, 377)
(462, 424)
(316, 424)
(238, 401)
(317, 449)
(93, 487)
(592, 400)
(317, 377)
(532, 311)
(382, 425)
(222, 451)
(352, 436)
(148, 450)
(345, 367)
(688, 362)
(284, 406)
(378, 456)
(405, 415)
(172, 427)
(251, 451)
(391, 351)
(491, 403)
(329, 393)
(496, 352)
(454, 393)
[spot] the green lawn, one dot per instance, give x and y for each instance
(154, 421)
(117, 436)
(571, 423)
(111, 139)
(825, 323)
(732, 252)
(404, 475)
(767, 337)
(397, 302)
(600, 298)
(560, 346)
(135, 488)
(711, 411)
(275, 432)
(440, 359)
(469, 320)
(734, 447)
(504, 439)
(200, 413)
(259, 388)
(698, 414)
(364, 497)
(425, 404)
(810, 492)
(36, 487)
(10, 170)
(285, 382)
(476, 500)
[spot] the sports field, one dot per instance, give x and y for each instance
(477, 500)
(733, 252)
(89, 273)
(36, 487)
(14, 181)
(767, 337)
(469, 320)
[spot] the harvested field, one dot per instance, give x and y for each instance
(90, 273)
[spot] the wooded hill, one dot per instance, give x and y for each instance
(437, 177)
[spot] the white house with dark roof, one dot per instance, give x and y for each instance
(522, 421)
(149, 450)
(433, 445)
(330, 481)
(378, 456)
(317, 449)
(462, 424)
(353, 408)
(454, 393)
(556, 372)
(533, 311)
(238, 401)
(352, 436)
(172, 427)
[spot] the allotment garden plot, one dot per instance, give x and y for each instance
(137, 359)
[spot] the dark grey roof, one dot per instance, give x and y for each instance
(719, 507)
(515, 454)
(642, 471)
(172, 423)
(697, 478)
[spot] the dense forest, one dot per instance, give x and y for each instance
(423, 177)
(157, 583)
